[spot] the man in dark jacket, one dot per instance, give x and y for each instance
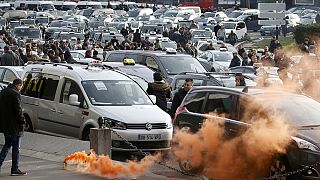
(179, 96)
(9, 58)
(235, 60)
(160, 89)
(137, 37)
(11, 124)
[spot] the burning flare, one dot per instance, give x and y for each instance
(104, 166)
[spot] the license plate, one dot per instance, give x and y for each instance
(267, 31)
(148, 137)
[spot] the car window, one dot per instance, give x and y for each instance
(212, 82)
(1, 72)
(8, 76)
(194, 102)
(40, 85)
(70, 87)
(204, 55)
(116, 57)
(151, 63)
(219, 104)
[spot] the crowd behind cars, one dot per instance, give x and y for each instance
(87, 59)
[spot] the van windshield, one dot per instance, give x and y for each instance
(229, 25)
(176, 65)
(115, 93)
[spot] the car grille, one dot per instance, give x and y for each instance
(143, 126)
(142, 144)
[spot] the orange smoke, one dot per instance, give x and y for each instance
(104, 166)
(247, 155)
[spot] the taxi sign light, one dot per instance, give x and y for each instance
(128, 61)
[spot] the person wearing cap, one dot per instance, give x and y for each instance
(160, 89)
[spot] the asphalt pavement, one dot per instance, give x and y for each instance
(42, 158)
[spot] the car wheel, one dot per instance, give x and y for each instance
(186, 166)
(28, 127)
(279, 166)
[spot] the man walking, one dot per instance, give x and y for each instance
(160, 89)
(11, 124)
(179, 96)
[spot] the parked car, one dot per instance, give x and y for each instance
(167, 63)
(9, 73)
(67, 100)
(232, 103)
(216, 61)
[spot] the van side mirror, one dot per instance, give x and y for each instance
(73, 100)
(153, 98)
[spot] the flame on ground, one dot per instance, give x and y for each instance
(103, 166)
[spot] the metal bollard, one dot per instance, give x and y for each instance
(100, 139)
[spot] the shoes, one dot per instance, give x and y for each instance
(18, 173)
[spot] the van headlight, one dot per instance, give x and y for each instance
(115, 124)
(169, 125)
(303, 144)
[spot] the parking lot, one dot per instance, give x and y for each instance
(192, 82)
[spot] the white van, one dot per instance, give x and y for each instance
(145, 12)
(292, 19)
(239, 28)
(196, 9)
(67, 100)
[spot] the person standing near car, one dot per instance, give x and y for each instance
(160, 89)
(233, 38)
(9, 58)
(179, 96)
(12, 124)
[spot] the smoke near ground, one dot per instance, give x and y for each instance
(104, 166)
(246, 155)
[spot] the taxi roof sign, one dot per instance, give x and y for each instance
(128, 61)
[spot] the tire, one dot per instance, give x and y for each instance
(86, 134)
(280, 165)
(186, 166)
(28, 127)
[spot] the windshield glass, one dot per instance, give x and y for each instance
(27, 22)
(43, 20)
(223, 56)
(170, 14)
(148, 29)
(30, 33)
(202, 33)
(176, 65)
(166, 44)
(47, 6)
(229, 25)
(143, 18)
(235, 14)
(297, 110)
(242, 17)
(115, 93)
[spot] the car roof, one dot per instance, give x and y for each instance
(156, 53)
(120, 64)
(77, 71)
(250, 91)
(15, 68)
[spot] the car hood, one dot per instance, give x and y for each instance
(134, 114)
(309, 134)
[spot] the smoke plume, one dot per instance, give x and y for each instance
(104, 166)
(244, 155)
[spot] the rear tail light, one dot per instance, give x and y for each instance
(178, 111)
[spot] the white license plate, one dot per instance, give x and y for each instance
(267, 31)
(148, 137)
